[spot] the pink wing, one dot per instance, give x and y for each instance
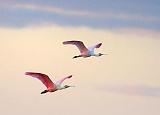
(82, 48)
(61, 81)
(43, 78)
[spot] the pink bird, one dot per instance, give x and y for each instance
(51, 87)
(85, 52)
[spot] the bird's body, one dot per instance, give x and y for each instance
(51, 87)
(85, 52)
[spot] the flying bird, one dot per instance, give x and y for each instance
(85, 52)
(51, 87)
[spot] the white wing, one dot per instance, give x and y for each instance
(91, 49)
(58, 83)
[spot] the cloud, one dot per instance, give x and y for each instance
(83, 13)
(134, 90)
(53, 9)
(155, 34)
(23, 14)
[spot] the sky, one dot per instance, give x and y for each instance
(124, 82)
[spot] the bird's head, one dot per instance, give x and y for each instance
(100, 54)
(67, 86)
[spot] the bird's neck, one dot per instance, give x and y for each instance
(97, 55)
(60, 87)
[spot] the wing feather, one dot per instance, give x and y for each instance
(43, 78)
(97, 45)
(61, 81)
(91, 49)
(82, 48)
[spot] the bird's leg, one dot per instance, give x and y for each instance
(45, 91)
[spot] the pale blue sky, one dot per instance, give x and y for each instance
(107, 13)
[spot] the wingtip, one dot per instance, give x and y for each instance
(71, 41)
(98, 45)
(70, 76)
(26, 73)
(64, 42)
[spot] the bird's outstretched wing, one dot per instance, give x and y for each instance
(95, 46)
(43, 78)
(61, 81)
(82, 48)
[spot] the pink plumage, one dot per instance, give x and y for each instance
(43, 78)
(82, 48)
(51, 87)
(85, 52)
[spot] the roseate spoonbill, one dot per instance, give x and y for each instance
(51, 87)
(85, 52)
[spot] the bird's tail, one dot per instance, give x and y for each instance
(45, 91)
